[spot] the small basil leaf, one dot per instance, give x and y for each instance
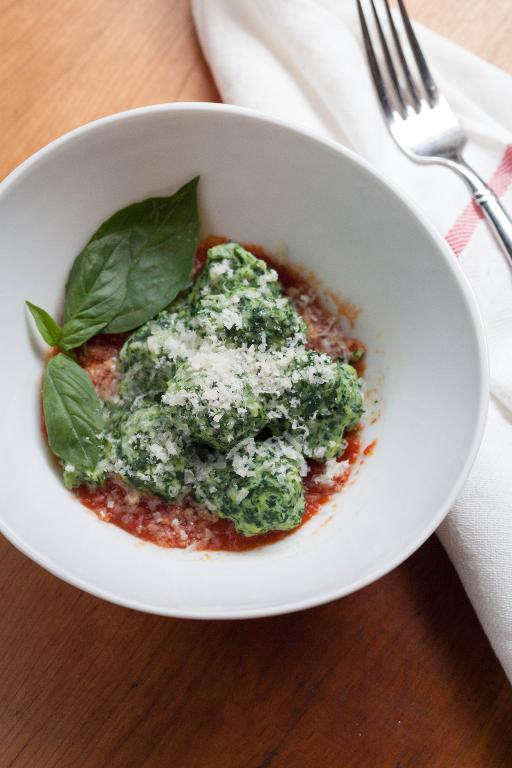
(162, 234)
(46, 325)
(95, 289)
(72, 412)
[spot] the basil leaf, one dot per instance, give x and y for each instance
(133, 266)
(162, 234)
(95, 289)
(46, 325)
(72, 412)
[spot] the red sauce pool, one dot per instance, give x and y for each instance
(370, 449)
(186, 524)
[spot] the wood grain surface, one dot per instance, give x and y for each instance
(399, 675)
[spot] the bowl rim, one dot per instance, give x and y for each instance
(450, 262)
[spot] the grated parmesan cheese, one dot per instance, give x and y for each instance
(222, 374)
(332, 471)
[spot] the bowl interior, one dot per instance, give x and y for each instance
(266, 183)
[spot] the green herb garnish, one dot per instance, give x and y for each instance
(72, 412)
(46, 325)
(133, 266)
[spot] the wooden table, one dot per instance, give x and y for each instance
(399, 675)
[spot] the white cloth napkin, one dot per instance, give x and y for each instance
(303, 61)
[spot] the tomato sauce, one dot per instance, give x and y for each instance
(187, 524)
(370, 449)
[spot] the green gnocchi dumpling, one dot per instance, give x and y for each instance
(151, 451)
(145, 370)
(74, 476)
(237, 297)
(324, 400)
(258, 487)
(228, 268)
(207, 412)
(249, 317)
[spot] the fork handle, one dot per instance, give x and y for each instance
(496, 215)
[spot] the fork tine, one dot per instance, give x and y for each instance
(389, 61)
(374, 65)
(403, 61)
(426, 75)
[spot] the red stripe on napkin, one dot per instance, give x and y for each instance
(462, 231)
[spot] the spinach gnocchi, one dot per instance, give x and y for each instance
(220, 400)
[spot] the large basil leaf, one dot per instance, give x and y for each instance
(46, 325)
(96, 288)
(72, 413)
(162, 235)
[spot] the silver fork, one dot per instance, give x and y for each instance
(418, 116)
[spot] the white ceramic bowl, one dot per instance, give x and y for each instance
(264, 182)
